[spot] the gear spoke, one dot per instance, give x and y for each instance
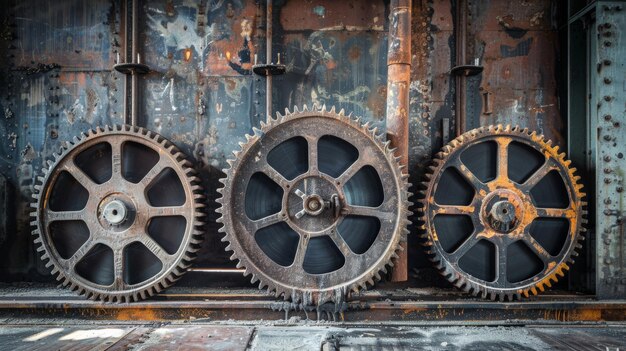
(352, 170)
(303, 243)
(465, 247)
(266, 222)
(548, 166)
(537, 248)
(71, 262)
(503, 157)
(167, 211)
(79, 175)
(159, 167)
(501, 263)
(340, 242)
(368, 211)
(568, 213)
(156, 249)
(313, 156)
(116, 159)
(275, 176)
(476, 183)
(118, 269)
(52, 216)
(453, 210)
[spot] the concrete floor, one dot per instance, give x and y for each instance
(263, 336)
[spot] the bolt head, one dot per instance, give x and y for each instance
(314, 204)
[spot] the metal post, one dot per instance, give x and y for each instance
(131, 63)
(460, 84)
(135, 59)
(268, 58)
(398, 82)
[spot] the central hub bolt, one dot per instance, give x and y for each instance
(115, 212)
(314, 205)
(502, 216)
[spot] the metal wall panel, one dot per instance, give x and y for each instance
(57, 79)
(55, 82)
(610, 100)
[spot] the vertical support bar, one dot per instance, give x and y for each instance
(268, 57)
(580, 114)
(460, 83)
(126, 21)
(610, 99)
(398, 83)
(135, 59)
(129, 26)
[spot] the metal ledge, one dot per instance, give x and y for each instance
(251, 307)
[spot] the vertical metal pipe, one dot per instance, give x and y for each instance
(125, 21)
(135, 58)
(461, 59)
(398, 82)
(268, 58)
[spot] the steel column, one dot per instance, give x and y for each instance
(610, 84)
(269, 32)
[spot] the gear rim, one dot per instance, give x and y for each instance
(193, 207)
(451, 271)
(334, 293)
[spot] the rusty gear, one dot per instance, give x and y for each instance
(314, 206)
(502, 212)
(117, 214)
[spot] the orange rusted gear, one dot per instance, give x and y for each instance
(501, 212)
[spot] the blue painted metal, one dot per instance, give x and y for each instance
(610, 100)
(55, 82)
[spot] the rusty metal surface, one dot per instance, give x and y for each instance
(372, 308)
(19, 304)
(398, 83)
(314, 181)
(517, 44)
(117, 210)
(503, 208)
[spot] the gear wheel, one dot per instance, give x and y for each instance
(117, 214)
(502, 212)
(314, 206)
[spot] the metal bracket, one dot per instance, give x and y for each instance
(132, 68)
(269, 69)
(487, 101)
(466, 70)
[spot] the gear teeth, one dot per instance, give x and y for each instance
(430, 243)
